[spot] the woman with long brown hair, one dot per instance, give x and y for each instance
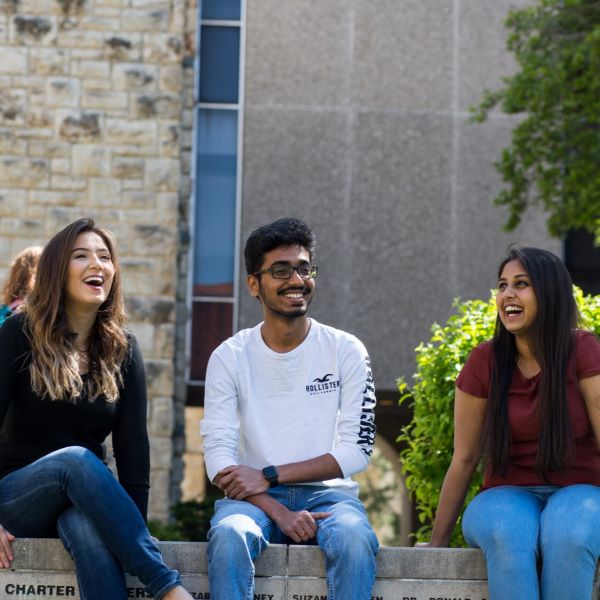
(19, 283)
(529, 401)
(70, 375)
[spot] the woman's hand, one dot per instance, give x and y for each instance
(6, 554)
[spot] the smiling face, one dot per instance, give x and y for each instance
(288, 298)
(90, 272)
(516, 300)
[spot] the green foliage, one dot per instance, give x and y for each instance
(190, 522)
(555, 151)
(428, 438)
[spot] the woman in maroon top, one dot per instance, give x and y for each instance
(529, 400)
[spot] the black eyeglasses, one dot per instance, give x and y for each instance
(286, 271)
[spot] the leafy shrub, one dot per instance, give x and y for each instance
(428, 438)
(190, 522)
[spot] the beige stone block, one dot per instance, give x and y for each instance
(60, 166)
(161, 452)
(164, 344)
(24, 172)
(144, 332)
(86, 54)
(123, 46)
(139, 276)
(167, 207)
(59, 198)
(12, 107)
(162, 174)
(160, 494)
(91, 69)
(48, 61)
(76, 126)
(13, 60)
(63, 91)
(159, 375)
(111, 4)
(171, 78)
(99, 22)
(49, 149)
(123, 131)
(134, 76)
(36, 7)
(3, 28)
(90, 160)
(145, 20)
(131, 150)
(96, 85)
(169, 140)
(39, 117)
(152, 4)
(128, 168)
(62, 182)
(163, 48)
(162, 417)
(105, 100)
(105, 192)
(31, 30)
(139, 200)
(133, 184)
(177, 22)
(10, 145)
(79, 38)
(34, 134)
(160, 106)
(13, 203)
(22, 227)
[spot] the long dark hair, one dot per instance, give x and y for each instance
(551, 341)
(54, 370)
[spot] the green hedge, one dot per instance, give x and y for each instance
(427, 439)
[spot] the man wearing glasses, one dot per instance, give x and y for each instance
(289, 417)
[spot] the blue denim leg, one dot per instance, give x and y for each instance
(33, 498)
(504, 522)
(239, 532)
(346, 539)
(570, 542)
(99, 573)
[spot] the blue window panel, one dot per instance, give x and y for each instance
(229, 10)
(216, 178)
(219, 64)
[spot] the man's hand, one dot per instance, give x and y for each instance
(238, 482)
(6, 554)
(300, 526)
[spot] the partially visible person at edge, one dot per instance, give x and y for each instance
(289, 417)
(21, 278)
(530, 398)
(70, 374)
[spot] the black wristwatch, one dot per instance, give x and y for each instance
(271, 475)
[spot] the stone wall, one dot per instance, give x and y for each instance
(95, 120)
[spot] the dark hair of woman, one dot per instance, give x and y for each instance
(54, 370)
(551, 341)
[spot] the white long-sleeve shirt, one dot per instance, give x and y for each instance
(267, 408)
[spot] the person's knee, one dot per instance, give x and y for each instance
(351, 537)
(76, 459)
(235, 534)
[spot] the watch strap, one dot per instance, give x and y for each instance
(271, 475)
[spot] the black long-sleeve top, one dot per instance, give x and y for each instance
(31, 427)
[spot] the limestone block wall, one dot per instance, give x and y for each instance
(95, 120)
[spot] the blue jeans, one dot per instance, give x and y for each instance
(240, 531)
(521, 529)
(72, 492)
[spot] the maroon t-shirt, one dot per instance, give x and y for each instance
(584, 466)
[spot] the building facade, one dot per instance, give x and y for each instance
(182, 126)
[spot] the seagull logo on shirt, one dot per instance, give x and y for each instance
(323, 379)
